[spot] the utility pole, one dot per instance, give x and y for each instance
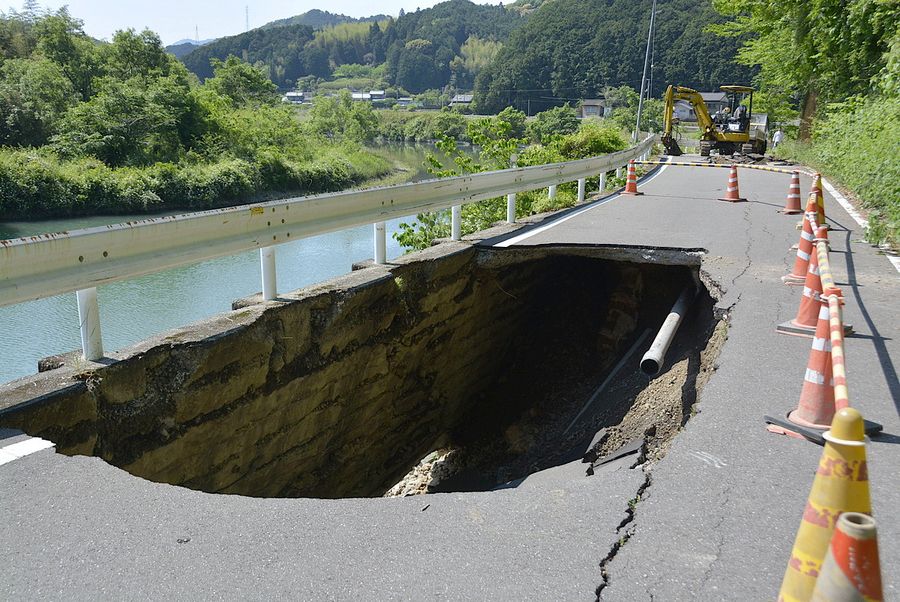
(247, 17)
(197, 33)
(637, 126)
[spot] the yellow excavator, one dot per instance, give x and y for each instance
(732, 130)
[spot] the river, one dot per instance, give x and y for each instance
(132, 310)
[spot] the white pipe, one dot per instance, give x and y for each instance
(602, 184)
(581, 184)
(267, 265)
(652, 361)
(380, 244)
(551, 191)
(456, 222)
(89, 320)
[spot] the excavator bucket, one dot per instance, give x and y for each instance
(672, 148)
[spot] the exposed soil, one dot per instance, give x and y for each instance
(631, 408)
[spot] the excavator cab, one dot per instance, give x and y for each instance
(740, 109)
(731, 129)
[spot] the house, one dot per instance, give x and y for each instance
(404, 101)
(715, 101)
(683, 111)
(362, 96)
(461, 100)
(593, 107)
(294, 97)
(376, 94)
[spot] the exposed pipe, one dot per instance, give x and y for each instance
(653, 359)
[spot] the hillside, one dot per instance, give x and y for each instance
(318, 19)
(418, 48)
(571, 49)
(530, 53)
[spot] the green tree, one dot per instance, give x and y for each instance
(34, 93)
(817, 51)
(554, 122)
(341, 118)
(127, 123)
(134, 54)
(62, 40)
(242, 83)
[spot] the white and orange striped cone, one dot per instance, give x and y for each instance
(805, 322)
(797, 276)
(792, 204)
(816, 407)
(732, 194)
(851, 569)
(841, 485)
(631, 181)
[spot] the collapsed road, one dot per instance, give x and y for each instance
(688, 497)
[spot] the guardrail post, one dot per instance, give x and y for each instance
(581, 184)
(511, 208)
(456, 222)
(619, 172)
(89, 319)
(511, 197)
(380, 244)
(267, 263)
(551, 191)
(602, 184)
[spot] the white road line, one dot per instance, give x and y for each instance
(857, 217)
(556, 222)
(23, 448)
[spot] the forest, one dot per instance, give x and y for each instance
(522, 55)
(88, 127)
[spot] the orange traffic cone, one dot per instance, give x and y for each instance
(797, 275)
(805, 322)
(792, 204)
(631, 181)
(841, 485)
(851, 570)
(820, 199)
(731, 193)
(816, 406)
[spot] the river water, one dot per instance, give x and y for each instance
(132, 310)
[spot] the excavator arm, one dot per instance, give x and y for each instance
(704, 120)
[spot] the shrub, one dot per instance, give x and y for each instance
(855, 143)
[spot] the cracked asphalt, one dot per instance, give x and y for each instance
(715, 520)
(720, 517)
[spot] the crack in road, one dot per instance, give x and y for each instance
(749, 231)
(630, 512)
(720, 541)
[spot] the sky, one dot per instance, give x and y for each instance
(175, 20)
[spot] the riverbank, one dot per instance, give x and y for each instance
(39, 185)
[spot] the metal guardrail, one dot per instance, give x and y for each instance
(50, 264)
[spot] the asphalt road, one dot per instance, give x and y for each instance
(716, 522)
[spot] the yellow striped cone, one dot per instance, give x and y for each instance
(836, 328)
(805, 247)
(732, 194)
(841, 485)
(820, 199)
(792, 204)
(851, 570)
(631, 182)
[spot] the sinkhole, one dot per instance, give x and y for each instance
(460, 369)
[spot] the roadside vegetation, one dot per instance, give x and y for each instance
(836, 69)
(89, 127)
(498, 139)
